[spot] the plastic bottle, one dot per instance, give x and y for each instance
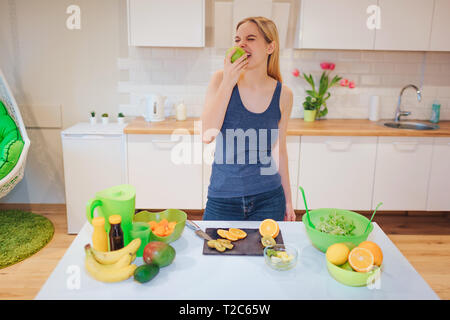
(99, 236)
(435, 112)
(116, 241)
(181, 112)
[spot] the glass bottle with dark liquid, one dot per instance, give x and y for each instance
(115, 234)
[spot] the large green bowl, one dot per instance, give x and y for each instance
(345, 275)
(322, 240)
(169, 214)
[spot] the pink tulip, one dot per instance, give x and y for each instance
(295, 73)
(343, 82)
(325, 65)
(351, 84)
(331, 66)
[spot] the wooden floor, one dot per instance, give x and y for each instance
(423, 240)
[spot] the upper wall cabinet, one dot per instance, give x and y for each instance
(405, 25)
(413, 25)
(166, 23)
(440, 39)
(331, 24)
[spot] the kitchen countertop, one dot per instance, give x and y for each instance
(194, 275)
(296, 127)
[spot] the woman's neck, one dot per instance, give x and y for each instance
(255, 78)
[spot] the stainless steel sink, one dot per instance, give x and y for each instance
(410, 125)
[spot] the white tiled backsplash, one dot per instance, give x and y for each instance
(183, 74)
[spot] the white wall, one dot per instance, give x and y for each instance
(49, 66)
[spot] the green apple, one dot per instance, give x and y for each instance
(237, 54)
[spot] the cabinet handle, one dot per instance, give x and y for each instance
(338, 145)
(405, 146)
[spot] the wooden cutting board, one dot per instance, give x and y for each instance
(249, 246)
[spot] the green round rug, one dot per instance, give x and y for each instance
(22, 234)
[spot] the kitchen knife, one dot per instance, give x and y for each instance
(198, 231)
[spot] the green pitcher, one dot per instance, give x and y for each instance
(115, 200)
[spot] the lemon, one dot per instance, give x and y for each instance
(337, 253)
(268, 241)
(282, 255)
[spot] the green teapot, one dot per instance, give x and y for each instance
(119, 200)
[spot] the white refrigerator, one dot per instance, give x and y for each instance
(94, 159)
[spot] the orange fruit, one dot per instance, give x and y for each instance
(153, 224)
(225, 234)
(361, 259)
(238, 233)
(375, 249)
(269, 227)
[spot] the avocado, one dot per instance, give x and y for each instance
(146, 272)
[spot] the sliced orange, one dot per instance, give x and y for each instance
(172, 224)
(269, 227)
(238, 233)
(375, 249)
(225, 234)
(153, 224)
(361, 259)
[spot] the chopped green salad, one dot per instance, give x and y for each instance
(336, 224)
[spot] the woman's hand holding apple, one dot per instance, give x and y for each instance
(232, 71)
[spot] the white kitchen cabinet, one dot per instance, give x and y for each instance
(331, 24)
(162, 176)
(166, 23)
(293, 149)
(94, 160)
(405, 25)
(402, 172)
(440, 39)
(439, 183)
(337, 172)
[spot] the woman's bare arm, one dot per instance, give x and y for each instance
(218, 96)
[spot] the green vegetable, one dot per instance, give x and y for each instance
(336, 224)
(271, 252)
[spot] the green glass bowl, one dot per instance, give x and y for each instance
(169, 214)
(322, 240)
(345, 275)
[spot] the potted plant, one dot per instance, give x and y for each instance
(92, 118)
(105, 118)
(120, 118)
(315, 104)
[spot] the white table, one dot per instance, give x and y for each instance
(193, 275)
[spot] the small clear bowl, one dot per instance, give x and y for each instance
(281, 265)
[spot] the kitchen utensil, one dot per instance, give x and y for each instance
(322, 240)
(154, 109)
(115, 200)
(282, 266)
(345, 275)
(198, 231)
(176, 215)
(306, 207)
(142, 231)
(249, 246)
(378, 205)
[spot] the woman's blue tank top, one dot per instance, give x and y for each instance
(243, 163)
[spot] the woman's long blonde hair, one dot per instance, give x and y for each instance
(269, 30)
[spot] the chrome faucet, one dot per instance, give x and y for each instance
(398, 112)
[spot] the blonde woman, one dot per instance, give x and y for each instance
(246, 112)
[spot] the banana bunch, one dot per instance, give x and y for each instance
(112, 266)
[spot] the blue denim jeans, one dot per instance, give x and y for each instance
(270, 204)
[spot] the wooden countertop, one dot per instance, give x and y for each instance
(328, 127)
